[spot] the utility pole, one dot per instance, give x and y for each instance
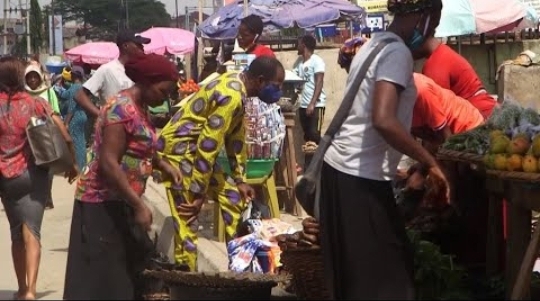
(6, 3)
(53, 26)
(177, 19)
(28, 36)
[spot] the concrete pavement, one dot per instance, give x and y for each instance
(55, 240)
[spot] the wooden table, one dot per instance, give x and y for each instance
(521, 250)
(287, 167)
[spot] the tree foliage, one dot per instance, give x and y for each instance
(104, 17)
(37, 31)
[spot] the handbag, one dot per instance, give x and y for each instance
(307, 189)
(48, 145)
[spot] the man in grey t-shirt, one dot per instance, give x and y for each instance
(367, 252)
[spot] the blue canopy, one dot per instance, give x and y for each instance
(279, 14)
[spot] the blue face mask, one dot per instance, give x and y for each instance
(416, 40)
(271, 93)
(418, 37)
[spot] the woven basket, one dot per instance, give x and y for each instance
(157, 296)
(450, 155)
(514, 176)
(219, 286)
(306, 267)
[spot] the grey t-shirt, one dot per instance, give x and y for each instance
(358, 149)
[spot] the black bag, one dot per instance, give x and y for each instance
(308, 187)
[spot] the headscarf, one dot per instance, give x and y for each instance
(149, 69)
(33, 68)
(66, 74)
(401, 7)
(349, 50)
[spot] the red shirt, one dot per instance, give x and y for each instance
(436, 108)
(451, 71)
(261, 50)
(15, 153)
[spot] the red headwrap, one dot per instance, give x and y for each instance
(148, 69)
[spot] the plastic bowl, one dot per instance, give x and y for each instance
(55, 68)
(256, 168)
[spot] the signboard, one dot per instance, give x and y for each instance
(373, 6)
(375, 23)
(55, 24)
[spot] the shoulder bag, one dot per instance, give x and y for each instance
(48, 145)
(308, 187)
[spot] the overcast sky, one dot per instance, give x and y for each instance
(170, 4)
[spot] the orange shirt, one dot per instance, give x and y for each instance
(452, 71)
(436, 108)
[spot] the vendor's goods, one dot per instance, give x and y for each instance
(189, 87)
(475, 141)
(509, 141)
(265, 130)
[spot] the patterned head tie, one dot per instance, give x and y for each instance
(403, 7)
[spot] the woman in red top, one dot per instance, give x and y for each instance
(453, 72)
(249, 32)
(23, 186)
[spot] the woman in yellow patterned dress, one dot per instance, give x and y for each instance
(212, 119)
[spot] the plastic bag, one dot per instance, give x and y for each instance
(251, 218)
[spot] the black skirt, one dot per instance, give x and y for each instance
(367, 253)
(106, 253)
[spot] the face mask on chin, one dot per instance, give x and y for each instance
(418, 37)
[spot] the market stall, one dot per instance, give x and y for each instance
(505, 151)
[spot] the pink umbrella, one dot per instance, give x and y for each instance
(169, 40)
(94, 53)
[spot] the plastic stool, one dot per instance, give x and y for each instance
(270, 194)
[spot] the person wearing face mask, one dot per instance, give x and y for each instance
(367, 253)
(249, 32)
(213, 118)
(109, 245)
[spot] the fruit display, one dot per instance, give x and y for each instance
(509, 141)
(190, 86)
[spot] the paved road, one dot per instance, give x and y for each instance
(55, 237)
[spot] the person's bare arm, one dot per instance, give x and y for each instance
(319, 81)
(385, 121)
(86, 103)
(112, 149)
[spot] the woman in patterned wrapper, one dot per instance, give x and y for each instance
(212, 119)
(108, 244)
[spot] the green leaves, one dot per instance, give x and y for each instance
(436, 276)
(37, 29)
(105, 16)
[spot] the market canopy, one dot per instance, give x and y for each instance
(279, 14)
(167, 40)
(464, 17)
(94, 53)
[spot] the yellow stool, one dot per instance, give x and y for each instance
(268, 184)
